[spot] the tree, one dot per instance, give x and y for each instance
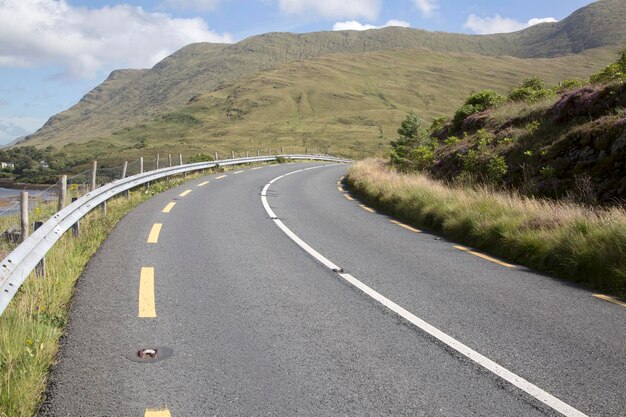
(410, 146)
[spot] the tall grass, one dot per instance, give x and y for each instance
(31, 326)
(577, 243)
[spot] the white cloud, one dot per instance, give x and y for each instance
(83, 41)
(427, 7)
(200, 5)
(367, 9)
(499, 24)
(354, 25)
(14, 127)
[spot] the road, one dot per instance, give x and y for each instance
(246, 322)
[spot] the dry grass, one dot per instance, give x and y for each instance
(569, 241)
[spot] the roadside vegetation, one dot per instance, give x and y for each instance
(481, 176)
(32, 325)
(581, 244)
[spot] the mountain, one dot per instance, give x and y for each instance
(130, 99)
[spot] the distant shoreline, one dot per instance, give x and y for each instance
(8, 183)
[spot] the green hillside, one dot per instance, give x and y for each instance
(133, 97)
(349, 104)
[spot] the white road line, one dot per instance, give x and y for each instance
(514, 379)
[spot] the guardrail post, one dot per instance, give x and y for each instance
(169, 159)
(75, 226)
(94, 168)
(141, 165)
(124, 170)
(62, 192)
(24, 215)
(40, 269)
(157, 162)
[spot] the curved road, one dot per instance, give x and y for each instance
(256, 326)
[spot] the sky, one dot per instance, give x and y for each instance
(52, 52)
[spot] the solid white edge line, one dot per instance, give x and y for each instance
(514, 379)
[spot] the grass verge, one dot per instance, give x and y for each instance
(32, 325)
(580, 244)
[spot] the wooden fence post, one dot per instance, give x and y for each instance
(94, 169)
(24, 215)
(62, 192)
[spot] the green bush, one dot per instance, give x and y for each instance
(452, 140)
(476, 103)
(497, 168)
(532, 89)
(611, 73)
(200, 157)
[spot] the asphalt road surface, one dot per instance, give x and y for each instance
(244, 321)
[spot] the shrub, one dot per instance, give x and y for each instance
(611, 73)
(451, 140)
(532, 89)
(497, 168)
(200, 157)
(438, 124)
(476, 103)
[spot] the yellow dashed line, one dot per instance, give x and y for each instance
(147, 306)
(406, 226)
(202, 184)
(184, 193)
(164, 412)
(349, 197)
(341, 190)
(220, 177)
(610, 299)
(169, 207)
(480, 255)
(238, 172)
(154, 233)
(364, 207)
(256, 168)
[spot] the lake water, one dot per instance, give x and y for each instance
(9, 197)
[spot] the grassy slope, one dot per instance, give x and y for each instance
(349, 103)
(132, 97)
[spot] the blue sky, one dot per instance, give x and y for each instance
(52, 52)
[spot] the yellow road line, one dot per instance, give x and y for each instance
(364, 207)
(164, 412)
(202, 184)
(220, 177)
(147, 306)
(610, 299)
(184, 193)
(169, 207)
(406, 226)
(349, 197)
(256, 168)
(480, 255)
(340, 189)
(238, 172)
(153, 237)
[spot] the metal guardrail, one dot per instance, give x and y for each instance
(18, 265)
